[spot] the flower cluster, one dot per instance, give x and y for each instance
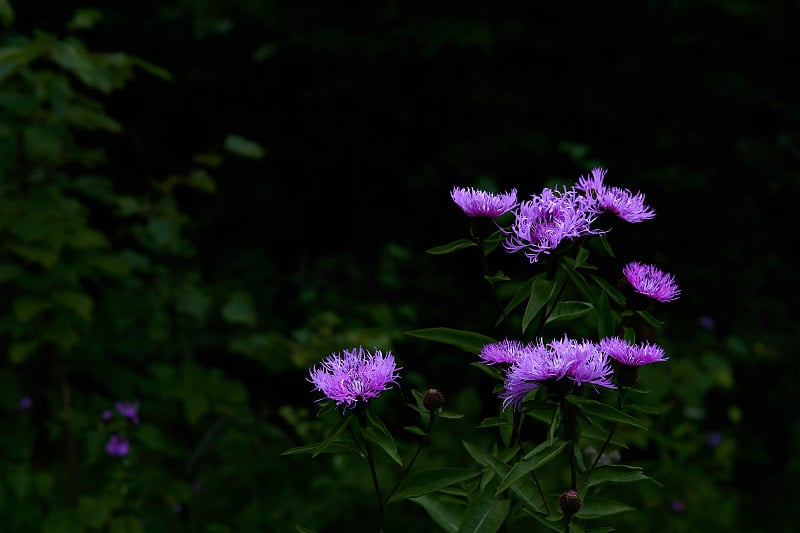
(354, 375)
(546, 220)
(565, 363)
(118, 444)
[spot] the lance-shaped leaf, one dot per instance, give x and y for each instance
(616, 474)
(343, 447)
(333, 434)
(485, 514)
(605, 317)
(376, 432)
(520, 296)
(650, 319)
(427, 481)
(542, 290)
(569, 311)
(602, 411)
(466, 340)
(609, 289)
(446, 514)
(594, 507)
(451, 247)
(541, 455)
(580, 282)
(524, 488)
(546, 521)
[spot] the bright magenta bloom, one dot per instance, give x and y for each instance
(354, 375)
(652, 282)
(477, 203)
(549, 218)
(621, 202)
(505, 351)
(129, 410)
(565, 360)
(632, 354)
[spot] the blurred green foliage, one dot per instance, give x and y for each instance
(251, 185)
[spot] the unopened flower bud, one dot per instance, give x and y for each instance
(570, 502)
(433, 400)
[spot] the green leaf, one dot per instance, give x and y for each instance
(485, 514)
(451, 247)
(333, 434)
(646, 409)
(541, 455)
(500, 276)
(84, 19)
(579, 281)
(6, 13)
(524, 488)
(450, 415)
(569, 311)
(427, 481)
(46, 257)
(201, 180)
(541, 292)
(447, 515)
(650, 319)
(243, 147)
(523, 293)
(466, 340)
(125, 524)
(581, 256)
(542, 519)
(20, 350)
(594, 507)
(79, 302)
(27, 307)
(301, 529)
(239, 309)
(376, 432)
(617, 474)
(609, 289)
(416, 430)
(604, 412)
(605, 322)
(342, 447)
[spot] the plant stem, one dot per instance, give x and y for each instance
(407, 468)
(370, 452)
(487, 272)
(620, 403)
(569, 431)
(69, 436)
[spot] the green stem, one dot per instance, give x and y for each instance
(487, 272)
(370, 453)
(404, 472)
(517, 439)
(569, 431)
(620, 404)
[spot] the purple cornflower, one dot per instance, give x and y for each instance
(505, 351)
(621, 202)
(129, 410)
(105, 416)
(632, 354)
(549, 218)
(118, 446)
(25, 403)
(354, 375)
(560, 362)
(652, 282)
(477, 203)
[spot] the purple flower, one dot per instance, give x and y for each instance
(25, 403)
(652, 282)
(506, 351)
(354, 375)
(632, 354)
(477, 203)
(621, 202)
(105, 416)
(560, 362)
(677, 506)
(706, 322)
(118, 446)
(714, 439)
(546, 220)
(129, 410)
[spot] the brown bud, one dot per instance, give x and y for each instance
(570, 502)
(433, 400)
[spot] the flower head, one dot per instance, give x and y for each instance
(129, 410)
(354, 375)
(478, 203)
(632, 354)
(505, 351)
(652, 282)
(25, 403)
(621, 202)
(549, 218)
(118, 446)
(564, 362)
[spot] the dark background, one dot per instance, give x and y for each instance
(369, 113)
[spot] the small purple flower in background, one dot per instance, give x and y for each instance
(632, 354)
(118, 446)
(354, 375)
(477, 203)
(505, 351)
(677, 506)
(105, 416)
(565, 361)
(25, 403)
(652, 282)
(706, 322)
(129, 410)
(714, 439)
(549, 218)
